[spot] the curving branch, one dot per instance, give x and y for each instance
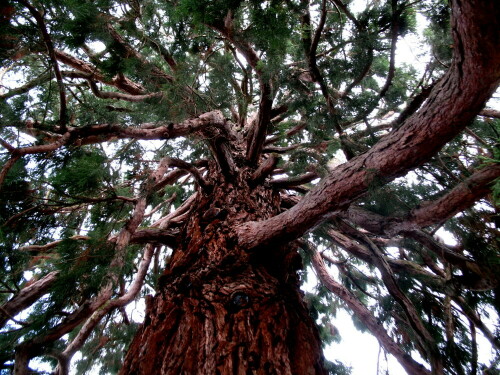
(51, 245)
(428, 213)
(319, 30)
(280, 150)
(121, 96)
(452, 104)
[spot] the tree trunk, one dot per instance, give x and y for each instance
(222, 309)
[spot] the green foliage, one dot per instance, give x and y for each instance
(62, 210)
(337, 368)
(108, 344)
(207, 12)
(81, 173)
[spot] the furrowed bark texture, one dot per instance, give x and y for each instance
(221, 309)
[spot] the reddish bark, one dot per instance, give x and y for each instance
(223, 306)
(223, 310)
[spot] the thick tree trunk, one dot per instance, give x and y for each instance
(223, 310)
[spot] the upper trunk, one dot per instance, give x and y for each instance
(221, 309)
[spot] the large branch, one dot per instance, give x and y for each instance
(458, 199)
(451, 106)
(26, 297)
(147, 131)
(461, 197)
(107, 132)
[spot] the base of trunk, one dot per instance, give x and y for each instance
(242, 327)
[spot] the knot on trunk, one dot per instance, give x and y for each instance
(238, 301)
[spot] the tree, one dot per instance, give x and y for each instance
(171, 151)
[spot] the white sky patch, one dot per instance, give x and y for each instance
(360, 350)
(410, 50)
(97, 46)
